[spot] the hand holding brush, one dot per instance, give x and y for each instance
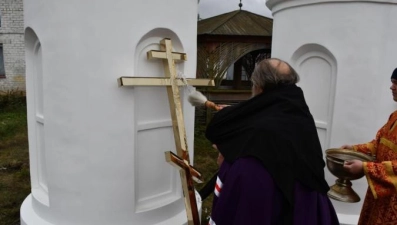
(196, 98)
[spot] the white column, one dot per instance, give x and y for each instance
(97, 150)
(345, 53)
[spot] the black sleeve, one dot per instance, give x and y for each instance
(208, 187)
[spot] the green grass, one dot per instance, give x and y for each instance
(204, 161)
(14, 157)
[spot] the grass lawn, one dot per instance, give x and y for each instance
(14, 159)
(204, 161)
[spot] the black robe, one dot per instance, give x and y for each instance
(277, 128)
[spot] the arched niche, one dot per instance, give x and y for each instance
(317, 68)
(159, 185)
(36, 116)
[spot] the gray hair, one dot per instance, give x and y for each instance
(272, 72)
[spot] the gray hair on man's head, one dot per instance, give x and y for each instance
(272, 72)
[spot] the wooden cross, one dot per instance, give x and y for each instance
(190, 173)
(172, 83)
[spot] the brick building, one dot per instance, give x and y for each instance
(12, 47)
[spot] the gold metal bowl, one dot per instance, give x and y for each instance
(342, 189)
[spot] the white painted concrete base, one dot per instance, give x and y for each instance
(347, 219)
(30, 217)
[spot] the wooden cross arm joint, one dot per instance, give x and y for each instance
(181, 164)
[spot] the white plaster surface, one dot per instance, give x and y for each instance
(97, 150)
(345, 53)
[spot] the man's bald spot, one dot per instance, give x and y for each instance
(280, 66)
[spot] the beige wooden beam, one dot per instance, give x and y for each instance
(160, 81)
(163, 55)
(187, 173)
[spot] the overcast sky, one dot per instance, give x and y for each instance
(210, 8)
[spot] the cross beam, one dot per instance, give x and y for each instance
(159, 81)
(177, 56)
(172, 84)
(188, 173)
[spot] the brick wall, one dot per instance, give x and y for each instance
(12, 39)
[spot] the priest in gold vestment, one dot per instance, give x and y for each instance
(380, 204)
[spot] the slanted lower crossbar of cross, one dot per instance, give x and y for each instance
(189, 173)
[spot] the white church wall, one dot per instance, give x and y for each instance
(99, 156)
(344, 53)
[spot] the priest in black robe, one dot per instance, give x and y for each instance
(273, 169)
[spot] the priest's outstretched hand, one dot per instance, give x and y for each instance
(347, 147)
